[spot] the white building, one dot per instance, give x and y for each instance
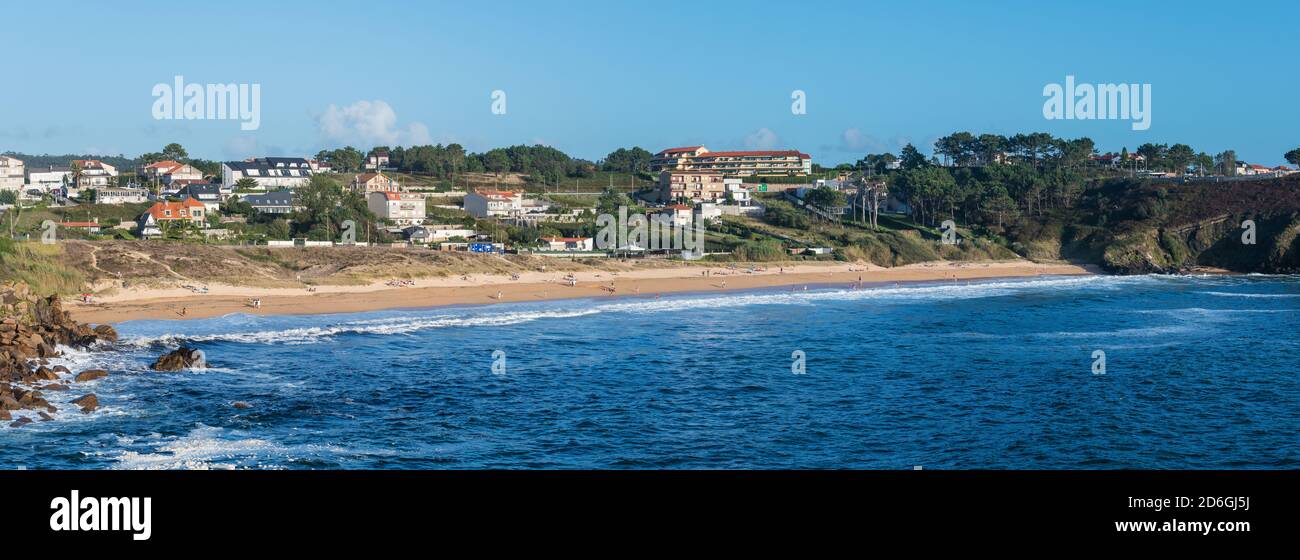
(679, 215)
(448, 231)
(270, 173)
(49, 179)
(120, 195)
(397, 207)
(735, 189)
(569, 243)
(89, 174)
(11, 173)
(494, 204)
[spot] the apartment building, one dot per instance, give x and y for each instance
(699, 186)
(739, 163)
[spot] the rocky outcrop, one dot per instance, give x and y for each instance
(88, 403)
(90, 375)
(32, 327)
(179, 359)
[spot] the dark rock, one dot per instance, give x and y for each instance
(241, 405)
(177, 360)
(46, 374)
(44, 416)
(106, 333)
(55, 387)
(90, 375)
(87, 403)
(20, 422)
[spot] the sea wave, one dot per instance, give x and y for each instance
(405, 322)
(1241, 295)
(210, 447)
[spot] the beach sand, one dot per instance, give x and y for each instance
(183, 303)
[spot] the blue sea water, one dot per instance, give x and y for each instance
(1200, 372)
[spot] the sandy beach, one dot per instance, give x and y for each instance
(185, 303)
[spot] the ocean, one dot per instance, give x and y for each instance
(1199, 373)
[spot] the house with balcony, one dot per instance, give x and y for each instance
(396, 207)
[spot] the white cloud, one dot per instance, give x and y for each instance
(369, 123)
(762, 139)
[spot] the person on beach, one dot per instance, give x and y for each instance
(498, 295)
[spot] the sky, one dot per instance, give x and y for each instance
(590, 77)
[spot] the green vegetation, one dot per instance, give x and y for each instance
(39, 266)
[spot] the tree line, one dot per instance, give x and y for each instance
(542, 163)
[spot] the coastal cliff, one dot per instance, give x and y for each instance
(1142, 227)
(32, 327)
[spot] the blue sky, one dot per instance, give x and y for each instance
(588, 77)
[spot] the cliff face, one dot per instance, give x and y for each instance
(1139, 227)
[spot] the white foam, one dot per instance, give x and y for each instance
(442, 318)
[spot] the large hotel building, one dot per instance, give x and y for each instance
(753, 162)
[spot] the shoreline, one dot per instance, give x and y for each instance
(170, 303)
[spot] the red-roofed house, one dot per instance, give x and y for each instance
(189, 210)
(91, 227)
(366, 183)
(168, 171)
